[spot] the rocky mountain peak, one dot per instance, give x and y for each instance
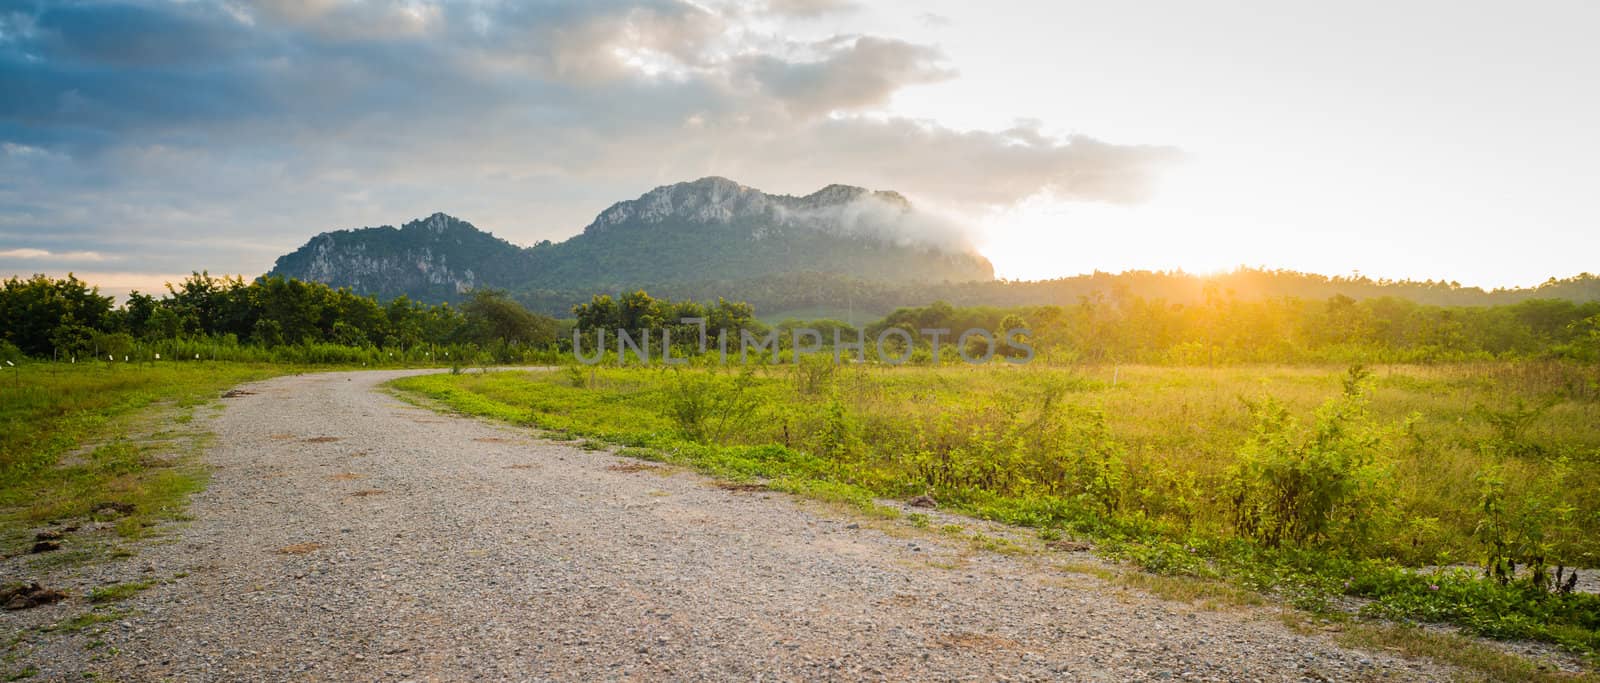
(718, 200)
(439, 223)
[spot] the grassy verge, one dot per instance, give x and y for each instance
(77, 442)
(1153, 463)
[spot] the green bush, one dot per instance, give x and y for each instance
(708, 406)
(1327, 485)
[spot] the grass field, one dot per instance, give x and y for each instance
(81, 441)
(1309, 482)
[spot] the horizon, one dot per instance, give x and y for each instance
(145, 140)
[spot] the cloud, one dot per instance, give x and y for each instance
(888, 218)
(46, 255)
(219, 135)
(853, 73)
(809, 9)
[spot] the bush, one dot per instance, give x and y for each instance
(709, 407)
(1329, 485)
(1527, 529)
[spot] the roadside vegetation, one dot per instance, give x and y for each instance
(1457, 493)
(67, 450)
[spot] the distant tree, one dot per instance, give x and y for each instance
(34, 309)
(267, 332)
(492, 316)
(114, 344)
(599, 314)
(70, 339)
(164, 323)
(349, 335)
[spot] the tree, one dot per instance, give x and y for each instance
(34, 309)
(492, 316)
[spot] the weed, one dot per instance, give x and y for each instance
(117, 592)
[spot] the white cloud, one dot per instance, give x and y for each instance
(46, 255)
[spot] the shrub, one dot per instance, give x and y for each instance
(1529, 528)
(708, 407)
(1327, 485)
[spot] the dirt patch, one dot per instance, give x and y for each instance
(632, 467)
(363, 493)
(981, 642)
(112, 508)
(322, 439)
(740, 486)
(518, 467)
(347, 476)
(24, 596)
(903, 600)
(300, 548)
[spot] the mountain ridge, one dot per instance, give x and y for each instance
(710, 228)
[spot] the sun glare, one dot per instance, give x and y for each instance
(1044, 237)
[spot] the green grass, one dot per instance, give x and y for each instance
(117, 592)
(78, 442)
(1147, 461)
(85, 621)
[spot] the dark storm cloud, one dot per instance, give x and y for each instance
(245, 127)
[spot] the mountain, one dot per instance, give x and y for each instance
(708, 230)
(432, 259)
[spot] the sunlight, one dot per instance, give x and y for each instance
(1043, 237)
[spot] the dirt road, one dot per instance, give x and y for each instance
(348, 536)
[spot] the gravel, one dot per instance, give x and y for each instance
(346, 535)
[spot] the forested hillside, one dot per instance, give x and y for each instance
(712, 228)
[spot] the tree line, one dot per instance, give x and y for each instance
(838, 295)
(1228, 329)
(66, 318)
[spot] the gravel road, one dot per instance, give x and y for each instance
(348, 536)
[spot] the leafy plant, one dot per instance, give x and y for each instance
(1527, 529)
(1327, 484)
(708, 407)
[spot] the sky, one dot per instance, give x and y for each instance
(1426, 140)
